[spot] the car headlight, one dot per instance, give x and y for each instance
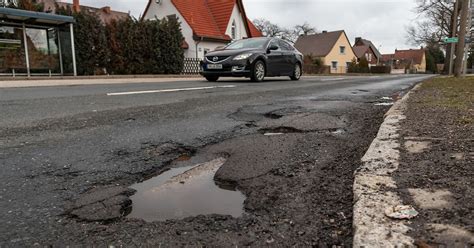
(243, 56)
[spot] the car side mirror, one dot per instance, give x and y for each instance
(273, 48)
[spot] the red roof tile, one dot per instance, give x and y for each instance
(198, 15)
(387, 57)
(415, 55)
(254, 32)
(221, 11)
(210, 18)
(360, 51)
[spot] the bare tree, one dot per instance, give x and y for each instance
(270, 29)
(458, 65)
(435, 18)
(305, 29)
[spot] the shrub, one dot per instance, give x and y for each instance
(381, 69)
(127, 46)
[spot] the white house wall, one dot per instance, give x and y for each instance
(196, 49)
(240, 24)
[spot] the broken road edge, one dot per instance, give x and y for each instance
(375, 189)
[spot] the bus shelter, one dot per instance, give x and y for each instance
(36, 43)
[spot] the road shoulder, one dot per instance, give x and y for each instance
(420, 158)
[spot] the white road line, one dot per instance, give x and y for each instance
(168, 90)
(331, 79)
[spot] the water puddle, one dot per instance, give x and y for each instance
(183, 192)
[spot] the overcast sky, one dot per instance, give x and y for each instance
(382, 21)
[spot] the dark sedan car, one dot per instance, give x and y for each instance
(254, 58)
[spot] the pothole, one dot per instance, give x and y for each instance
(184, 192)
(273, 116)
(279, 130)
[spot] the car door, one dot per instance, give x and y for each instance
(287, 60)
(274, 59)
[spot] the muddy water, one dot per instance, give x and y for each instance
(184, 192)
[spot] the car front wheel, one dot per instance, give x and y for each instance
(258, 72)
(296, 72)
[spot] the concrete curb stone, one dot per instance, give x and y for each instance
(374, 187)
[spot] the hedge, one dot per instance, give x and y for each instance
(127, 46)
(381, 69)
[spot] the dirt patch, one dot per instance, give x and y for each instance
(438, 181)
(101, 204)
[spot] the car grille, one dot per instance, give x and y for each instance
(220, 58)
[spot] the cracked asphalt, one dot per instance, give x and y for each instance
(68, 156)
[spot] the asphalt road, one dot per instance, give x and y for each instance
(68, 155)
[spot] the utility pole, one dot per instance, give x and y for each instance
(454, 29)
(458, 65)
(469, 35)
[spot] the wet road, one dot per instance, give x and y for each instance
(67, 155)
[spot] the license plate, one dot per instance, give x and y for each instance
(214, 66)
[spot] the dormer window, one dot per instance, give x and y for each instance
(233, 30)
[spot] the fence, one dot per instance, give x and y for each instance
(192, 66)
(314, 69)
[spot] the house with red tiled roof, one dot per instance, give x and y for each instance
(206, 24)
(410, 60)
(365, 48)
(105, 14)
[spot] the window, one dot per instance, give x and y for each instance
(334, 65)
(285, 46)
(234, 30)
(370, 57)
(172, 17)
(275, 42)
(342, 50)
(250, 43)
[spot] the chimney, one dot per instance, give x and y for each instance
(325, 31)
(358, 39)
(107, 10)
(76, 7)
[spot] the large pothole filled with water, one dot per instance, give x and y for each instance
(184, 192)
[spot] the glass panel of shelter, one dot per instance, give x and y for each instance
(43, 51)
(12, 50)
(49, 50)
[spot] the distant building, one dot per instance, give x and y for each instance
(365, 48)
(387, 59)
(408, 61)
(206, 24)
(106, 14)
(333, 48)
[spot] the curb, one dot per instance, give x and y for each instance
(145, 76)
(373, 187)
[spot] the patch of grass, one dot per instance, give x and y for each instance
(448, 92)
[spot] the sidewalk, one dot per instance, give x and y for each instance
(422, 157)
(436, 171)
(70, 81)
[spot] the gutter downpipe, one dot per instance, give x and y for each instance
(197, 44)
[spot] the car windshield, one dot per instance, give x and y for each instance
(247, 43)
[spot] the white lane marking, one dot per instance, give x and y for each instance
(331, 79)
(168, 90)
